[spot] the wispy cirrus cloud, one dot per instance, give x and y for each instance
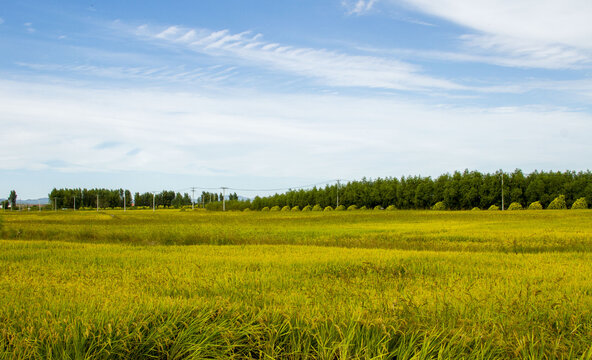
(324, 66)
(358, 7)
(168, 74)
(29, 27)
(479, 49)
(515, 52)
(554, 34)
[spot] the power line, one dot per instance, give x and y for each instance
(287, 188)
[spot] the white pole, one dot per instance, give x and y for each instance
(192, 197)
(223, 199)
(97, 202)
(153, 202)
(74, 202)
(123, 200)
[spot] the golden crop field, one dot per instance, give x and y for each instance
(339, 285)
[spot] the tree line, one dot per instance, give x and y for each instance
(81, 198)
(114, 198)
(176, 200)
(460, 190)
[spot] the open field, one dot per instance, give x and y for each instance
(402, 284)
(509, 231)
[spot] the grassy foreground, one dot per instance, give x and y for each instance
(503, 292)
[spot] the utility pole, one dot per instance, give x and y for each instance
(153, 202)
(338, 193)
(74, 202)
(224, 198)
(97, 202)
(55, 206)
(502, 190)
(39, 204)
(192, 198)
(124, 200)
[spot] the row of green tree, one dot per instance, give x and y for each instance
(460, 190)
(109, 198)
(81, 198)
(176, 200)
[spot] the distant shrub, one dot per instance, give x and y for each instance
(317, 207)
(535, 206)
(558, 203)
(378, 207)
(580, 203)
(265, 209)
(363, 208)
(476, 209)
(286, 208)
(391, 208)
(328, 208)
(439, 206)
(515, 206)
(182, 209)
(275, 208)
(493, 207)
(340, 208)
(295, 208)
(352, 207)
(246, 210)
(307, 208)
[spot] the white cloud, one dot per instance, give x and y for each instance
(511, 51)
(547, 57)
(29, 27)
(168, 74)
(358, 6)
(325, 66)
(170, 31)
(242, 133)
(550, 21)
(532, 33)
(1, 21)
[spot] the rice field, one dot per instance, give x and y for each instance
(340, 285)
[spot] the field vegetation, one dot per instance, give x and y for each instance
(296, 285)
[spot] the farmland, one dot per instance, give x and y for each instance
(360, 284)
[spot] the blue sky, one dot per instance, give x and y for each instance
(269, 94)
